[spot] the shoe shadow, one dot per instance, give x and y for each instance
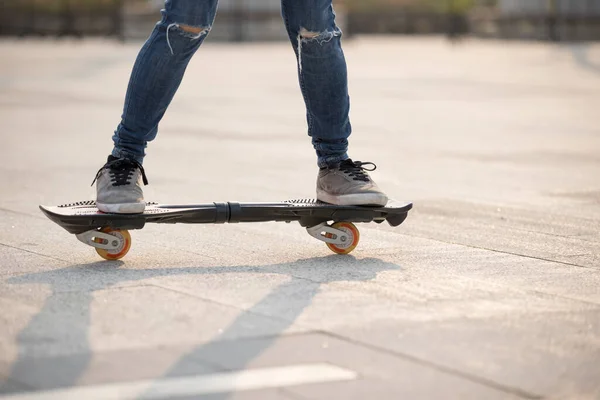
(65, 316)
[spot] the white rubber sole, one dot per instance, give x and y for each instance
(361, 199)
(124, 208)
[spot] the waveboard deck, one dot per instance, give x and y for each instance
(83, 216)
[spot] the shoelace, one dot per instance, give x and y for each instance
(121, 171)
(356, 169)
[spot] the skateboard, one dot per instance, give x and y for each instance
(332, 224)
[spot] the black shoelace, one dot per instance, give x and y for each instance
(356, 169)
(121, 171)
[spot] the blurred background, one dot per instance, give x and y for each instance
(259, 20)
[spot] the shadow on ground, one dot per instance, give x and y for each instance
(72, 294)
(581, 55)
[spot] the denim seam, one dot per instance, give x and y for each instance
(300, 78)
(134, 77)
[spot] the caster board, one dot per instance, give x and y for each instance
(108, 233)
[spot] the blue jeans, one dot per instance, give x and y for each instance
(162, 61)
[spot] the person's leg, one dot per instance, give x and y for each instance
(156, 75)
(322, 72)
(158, 71)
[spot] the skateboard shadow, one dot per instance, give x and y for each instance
(65, 315)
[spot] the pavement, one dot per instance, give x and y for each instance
(489, 290)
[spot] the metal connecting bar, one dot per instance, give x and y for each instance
(320, 232)
(106, 242)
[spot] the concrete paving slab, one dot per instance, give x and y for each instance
(251, 395)
(545, 355)
(20, 260)
(533, 233)
(83, 369)
(85, 327)
(410, 386)
(388, 375)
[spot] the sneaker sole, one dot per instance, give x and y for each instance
(362, 199)
(124, 208)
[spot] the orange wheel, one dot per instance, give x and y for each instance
(350, 244)
(124, 244)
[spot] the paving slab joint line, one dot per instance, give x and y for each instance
(33, 252)
(560, 296)
(4, 379)
(501, 251)
(223, 304)
(36, 216)
(303, 278)
(528, 291)
(184, 250)
(292, 396)
(242, 339)
(552, 234)
(346, 289)
(441, 368)
(104, 288)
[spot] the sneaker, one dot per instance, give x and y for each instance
(349, 184)
(119, 186)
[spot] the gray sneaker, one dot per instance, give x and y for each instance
(119, 186)
(349, 184)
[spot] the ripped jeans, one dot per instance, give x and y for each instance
(162, 61)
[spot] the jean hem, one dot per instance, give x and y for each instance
(119, 153)
(331, 161)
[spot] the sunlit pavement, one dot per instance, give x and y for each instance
(490, 289)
